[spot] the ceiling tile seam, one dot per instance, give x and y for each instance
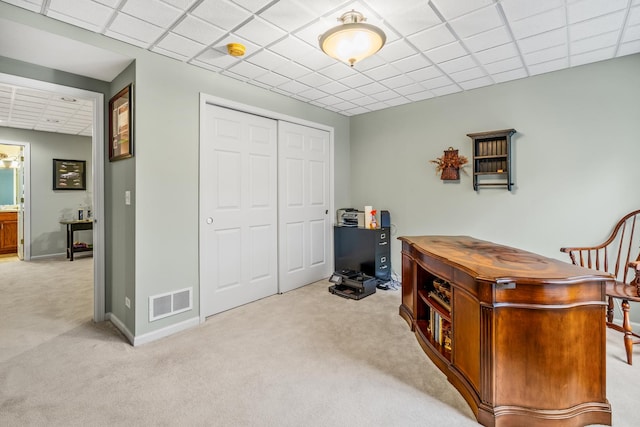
(112, 18)
(464, 46)
(625, 26)
(45, 7)
(504, 19)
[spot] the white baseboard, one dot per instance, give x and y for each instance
(59, 255)
(120, 326)
(165, 332)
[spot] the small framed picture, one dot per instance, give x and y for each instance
(121, 125)
(69, 174)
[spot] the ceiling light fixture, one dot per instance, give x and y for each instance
(352, 41)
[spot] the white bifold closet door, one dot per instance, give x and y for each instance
(238, 209)
(304, 225)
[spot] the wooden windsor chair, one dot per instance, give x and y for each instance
(619, 256)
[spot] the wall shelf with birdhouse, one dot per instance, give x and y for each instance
(492, 159)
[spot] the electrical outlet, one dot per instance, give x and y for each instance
(127, 302)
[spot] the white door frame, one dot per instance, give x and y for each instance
(97, 143)
(245, 108)
(26, 204)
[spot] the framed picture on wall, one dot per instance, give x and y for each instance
(121, 125)
(69, 174)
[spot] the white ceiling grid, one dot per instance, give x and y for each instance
(434, 47)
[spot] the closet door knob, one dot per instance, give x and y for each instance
(209, 220)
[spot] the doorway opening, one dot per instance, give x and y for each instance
(97, 184)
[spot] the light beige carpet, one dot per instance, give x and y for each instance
(304, 358)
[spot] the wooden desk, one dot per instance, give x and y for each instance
(72, 226)
(527, 333)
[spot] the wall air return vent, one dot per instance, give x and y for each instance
(164, 305)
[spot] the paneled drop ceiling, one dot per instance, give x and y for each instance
(434, 48)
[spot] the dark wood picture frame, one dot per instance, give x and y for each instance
(121, 125)
(69, 174)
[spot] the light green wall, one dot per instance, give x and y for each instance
(165, 232)
(48, 207)
(575, 158)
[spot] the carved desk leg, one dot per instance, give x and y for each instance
(626, 325)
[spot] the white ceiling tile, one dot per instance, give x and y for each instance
(293, 86)
(338, 71)
(634, 16)
(593, 56)
(260, 32)
(198, 30)
(153, 11)
(476, 83)
(596, 26)
(221, 13)
(458, 64)
(377, 106)
(630, 34)
(356, 80)
(397, 50)
(401, 100)
(518, 73)
(252, 5)
(543, 41)
(446, 90)
(311, 33)
(77, 22)
(477, 22)
(452, 9)
(547, 67)
(432, 38)
(205, 65)
(87, 11)
(178, 44)
(595, 43)
(344, 105)
(292, 70)
(356, 111)
(446, 53)
(466, 75)
(180, 4)
(217, 58)
(170, 54)
(488, 39)
(268, 60)
(127, 39)
(321, 7)
(314, 79)
(505, 65)
(383, 72)
(313, 93)
(426, 73)
(546, 55)
(364, 100)
(288, 15)
(328, 100)
(234, 76)
(350, 95)
(247, 70)
(135, 28)
(313, 59)
(412, 63)
(409, 15)
(397, 81)
(497, 53)
(33, 6)
(537, 24)
(368, 63)
(385, 95)
(271, 79)
(409, 89)
(437, 82)
(372, 88)
(420, 96)
(515, 10)
(629, 48)
(333, 88)
(291, 47)
(587, 9)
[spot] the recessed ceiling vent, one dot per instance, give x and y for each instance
(165, 305)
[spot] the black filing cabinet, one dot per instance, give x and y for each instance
(363, 250)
